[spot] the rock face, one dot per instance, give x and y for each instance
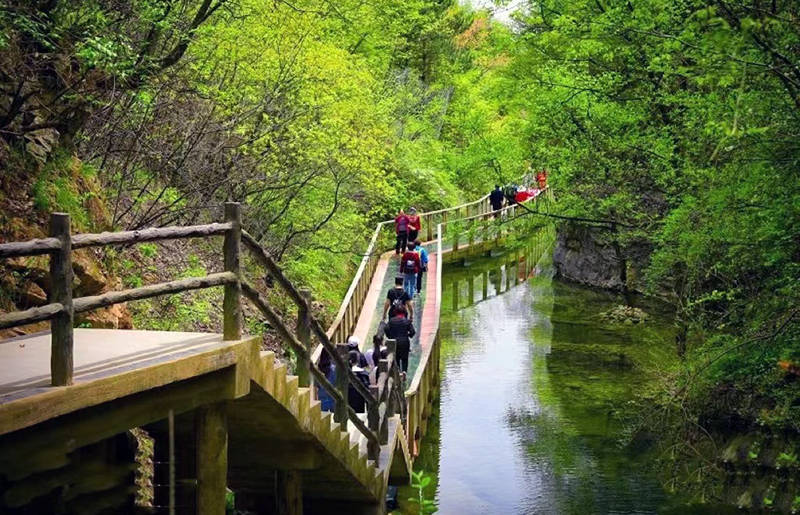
(581, 255)
(587, 255)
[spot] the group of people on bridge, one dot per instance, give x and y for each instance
(413, 256)
(396, 317)
(515, 194)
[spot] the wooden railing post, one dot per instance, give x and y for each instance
(232, 302)
(304, 336)
(374, 423)
(342, 384)
(61, 358)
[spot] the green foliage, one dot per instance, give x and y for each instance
(419, 481)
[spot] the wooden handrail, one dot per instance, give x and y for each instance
(264, 258)
(80, 241)
(33, 247)
(29, 316)
(39, 246)
(156, 290)
(448, 209)
(343, 307)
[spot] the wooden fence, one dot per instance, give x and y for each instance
(382, 401)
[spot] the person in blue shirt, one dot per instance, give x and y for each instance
(423, 259)
(327, 367)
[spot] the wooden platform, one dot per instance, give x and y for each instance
(127, 379)
(109, 364)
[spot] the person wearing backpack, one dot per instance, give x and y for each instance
(423, 261)
(397, 298)
(496, 199)
(409, 266)
(354, 398)
(401, 227)
(401, 330)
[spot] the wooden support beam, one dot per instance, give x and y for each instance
(211, 429)
(232, 302)
(61, 358)
(289, 486)
(485, 284)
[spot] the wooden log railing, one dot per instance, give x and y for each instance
(61, 307)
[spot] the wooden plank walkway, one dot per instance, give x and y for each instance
(109, 364)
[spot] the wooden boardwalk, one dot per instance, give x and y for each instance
(221, 412)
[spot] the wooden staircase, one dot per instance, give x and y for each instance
(278, 429)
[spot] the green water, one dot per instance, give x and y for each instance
(534, 402)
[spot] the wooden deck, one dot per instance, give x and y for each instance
(129, 379)
(109, 364)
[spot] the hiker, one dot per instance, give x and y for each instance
(414, 224)
(353, 344)
(374, 356)
(354, 398)
(409, 266)
(496, 198)
(327, 367)
(401, 330)
(423, 261)
(510, 192)
(396, 298)
(401, 229)
(541, 178)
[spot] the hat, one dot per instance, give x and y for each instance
(413, 210)
(353, 342)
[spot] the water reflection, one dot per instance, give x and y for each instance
(533, 397)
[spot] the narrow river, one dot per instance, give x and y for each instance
(534, 402)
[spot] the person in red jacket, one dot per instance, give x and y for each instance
(401, 227)
(409, 266)
(541, 178)
(414, 224)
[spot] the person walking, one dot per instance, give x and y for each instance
(496, 198)
(401, 230)
(510, 192)
(401, 330)
(423, 261)
(397, 298)
(353, 344)
(541, 179)
(327, 367)
(414, 224)
(374, 356)
(409, 266)
(354, 398)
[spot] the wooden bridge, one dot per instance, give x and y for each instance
(220, 412)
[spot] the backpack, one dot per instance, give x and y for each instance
(409, 265)
(397, 304)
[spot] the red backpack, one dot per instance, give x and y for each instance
(409, 263)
